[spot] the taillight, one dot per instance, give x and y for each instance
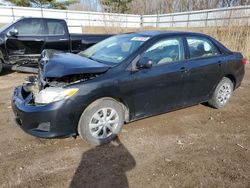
(244, 60)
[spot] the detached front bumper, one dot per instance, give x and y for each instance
(46, 121)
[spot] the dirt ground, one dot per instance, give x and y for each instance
(194, 147)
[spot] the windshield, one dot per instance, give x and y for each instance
(115, 49)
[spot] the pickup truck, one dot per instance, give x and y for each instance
(22, 41)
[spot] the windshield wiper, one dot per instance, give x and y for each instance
(91, 58)
(88, 57)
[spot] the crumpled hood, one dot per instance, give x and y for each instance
(56, 64)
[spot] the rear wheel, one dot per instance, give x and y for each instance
(222, 93)
(1, 66)
(101, 122)
(1, 61)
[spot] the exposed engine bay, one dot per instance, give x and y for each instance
(35, 84)
(56, 70)
(71, 79)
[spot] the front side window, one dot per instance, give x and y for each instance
(201, 47)
(29, 27)
(55, 27)
(165, 51)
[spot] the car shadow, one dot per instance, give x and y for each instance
(104, 166)
(207, 104)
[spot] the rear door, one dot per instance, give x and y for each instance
(30, 38)
(56, 35)
(203, 69)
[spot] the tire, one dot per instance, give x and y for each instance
(1, 61)
(1, 66)
(94, 122)
(222, 93)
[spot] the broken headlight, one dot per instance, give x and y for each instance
(53, 94)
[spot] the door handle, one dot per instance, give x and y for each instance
(183, 70)
(219, 63)
(63, 39)
(38, 40)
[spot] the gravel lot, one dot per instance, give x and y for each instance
(193, 147)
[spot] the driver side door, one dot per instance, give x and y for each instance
(28, 41)
(159, 88)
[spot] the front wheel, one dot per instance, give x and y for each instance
(222, 93)
(101, 121)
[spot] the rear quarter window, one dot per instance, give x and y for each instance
(200, 47)
(55, 27)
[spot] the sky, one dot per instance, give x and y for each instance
(2, 2)
(93, 3)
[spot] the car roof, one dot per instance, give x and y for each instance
(157, 33)
(30, 17)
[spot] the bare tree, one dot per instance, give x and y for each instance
(169, 6)
(86, 5)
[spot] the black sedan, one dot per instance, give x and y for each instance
(125, 78)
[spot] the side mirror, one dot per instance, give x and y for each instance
(13, 32)
(144, 62)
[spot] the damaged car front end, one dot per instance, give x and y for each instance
(87, 94)
(44, 106)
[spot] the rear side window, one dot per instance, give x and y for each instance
(29, 27)
(165, 51)
(55, 27)
(201, 47)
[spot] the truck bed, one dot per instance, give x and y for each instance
(80, 42)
